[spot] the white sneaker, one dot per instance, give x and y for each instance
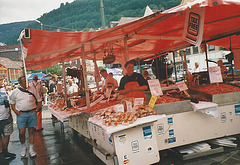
(32, 153)
(23, 152)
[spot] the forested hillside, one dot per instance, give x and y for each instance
(85, 14)
(7, 31)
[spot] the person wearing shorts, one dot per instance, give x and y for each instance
(25, 104)
(6, 124)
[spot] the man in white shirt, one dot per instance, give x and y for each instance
(36, 87)
(196, 68)
(72, 87)
(110, 82)
(25, 104)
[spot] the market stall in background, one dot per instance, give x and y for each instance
(131, 130)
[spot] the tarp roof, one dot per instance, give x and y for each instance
(155, 34)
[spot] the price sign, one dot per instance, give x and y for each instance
(152, 101)
(118, 108)
(138, 101)
(215, 74)
(155, 87)
(182, 86)
(129, 106)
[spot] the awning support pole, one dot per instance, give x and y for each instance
(24, 64)
(96, 70)
(186, 69)
(205, 49)
(64, 80)
(157, 68)
(174, 63)
(166, 70)
(85, 76)
(139, 65)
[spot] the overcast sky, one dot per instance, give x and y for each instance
(24, 10)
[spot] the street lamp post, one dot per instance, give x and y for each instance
(39, 23)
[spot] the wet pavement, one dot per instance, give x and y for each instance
(68, 148)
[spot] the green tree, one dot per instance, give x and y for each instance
(53, 69)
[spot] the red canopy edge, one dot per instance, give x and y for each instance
(154, 34)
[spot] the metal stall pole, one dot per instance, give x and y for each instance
(175, 69)
(231, 67)
(139, 65)
(85, 76)
(65, 93)
(166, 70)
(157, 67)
(96, 70)
(186, 69)
(64, 80)
(205, 49)
(23, 55)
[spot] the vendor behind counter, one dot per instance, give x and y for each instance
(132, 84)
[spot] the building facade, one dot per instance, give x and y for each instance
(12, 52)
(12, 70)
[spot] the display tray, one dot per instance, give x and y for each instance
(221, 98)
(174, 107)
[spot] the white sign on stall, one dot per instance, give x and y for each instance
(155, 87)
(182, 86)
(215, 74)
(118, 108)
(193, 27)
(129, 106)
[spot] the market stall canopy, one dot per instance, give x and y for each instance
(157, 33)
(230, 43)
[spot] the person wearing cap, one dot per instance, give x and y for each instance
(25, 104)
(6, 124)
(35, 86)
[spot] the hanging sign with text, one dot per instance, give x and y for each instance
(215, 74)
(182, 86)
(193, 27)
(155, 87)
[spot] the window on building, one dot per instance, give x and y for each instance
(188, 51)
(211, 48)
(195, 50)
(180, 53)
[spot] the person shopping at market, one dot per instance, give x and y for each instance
(146, 75)
(25, 104)
(52, 83)
(132, 84)
(109, 80)
(222, 67)
(71, 87)
(36, 87)
(6, 124)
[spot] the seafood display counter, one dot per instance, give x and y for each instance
(218, 115)
(136, 136)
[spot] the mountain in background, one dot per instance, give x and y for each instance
(81, 15)
(7, 31)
